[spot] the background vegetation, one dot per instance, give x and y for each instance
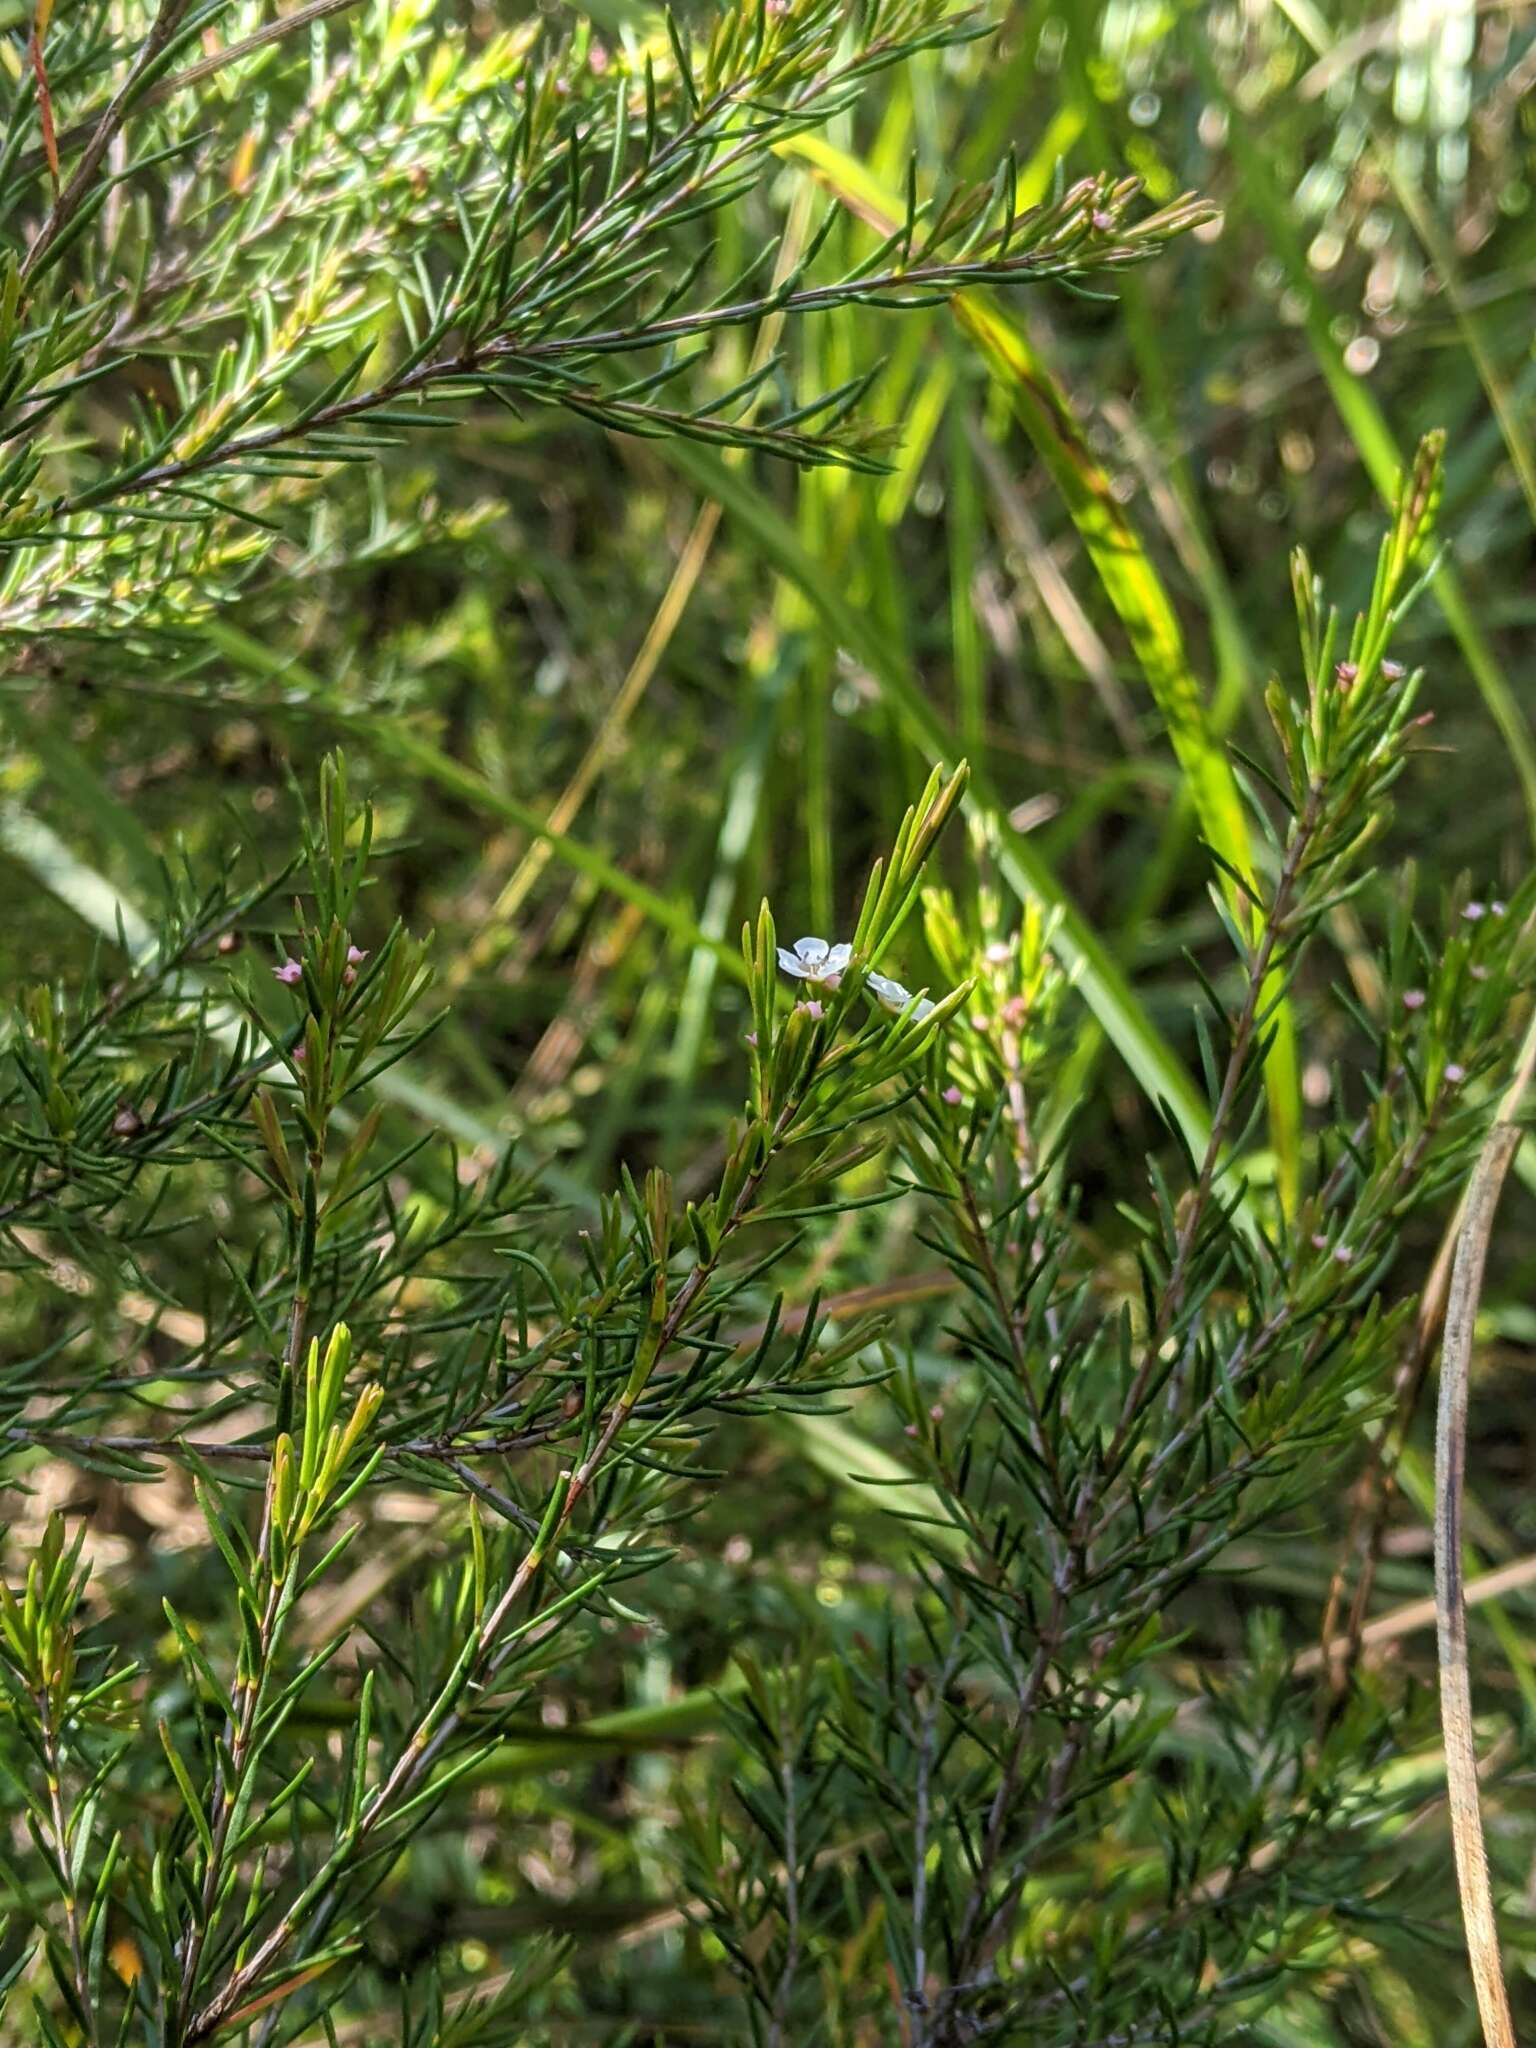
(607, 690)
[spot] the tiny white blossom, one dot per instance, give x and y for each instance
(893, 996)
(815, 960)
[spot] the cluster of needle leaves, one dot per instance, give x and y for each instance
(1059, 1849)
(557, 1383)
(223, 280)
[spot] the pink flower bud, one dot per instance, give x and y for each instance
(289, 973)
(1413, 999)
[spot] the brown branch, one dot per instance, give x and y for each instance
(1406, 1620)
(50, 149)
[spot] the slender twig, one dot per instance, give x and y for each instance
(155, 1133)
(463, 365)
(218, 60)
(927, 1740)
(982, 1922)
(447, 1450)
(165, 24)
(282, 1585)
(1379, 1481)
(1244, 1031)
(1031, 1694)
(239, 1733)
(1040, 1439)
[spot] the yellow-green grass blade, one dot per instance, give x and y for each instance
(1152, 434)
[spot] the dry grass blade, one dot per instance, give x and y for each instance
(606, 746)
(1450, 1592)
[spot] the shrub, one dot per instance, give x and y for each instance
(1024, 1788)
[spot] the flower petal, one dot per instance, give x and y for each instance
(812, 951)
(791, 965)
(837, 959)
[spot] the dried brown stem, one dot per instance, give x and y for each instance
(1450, 1593)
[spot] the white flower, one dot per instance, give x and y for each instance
(815, 960)
(893, 996)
